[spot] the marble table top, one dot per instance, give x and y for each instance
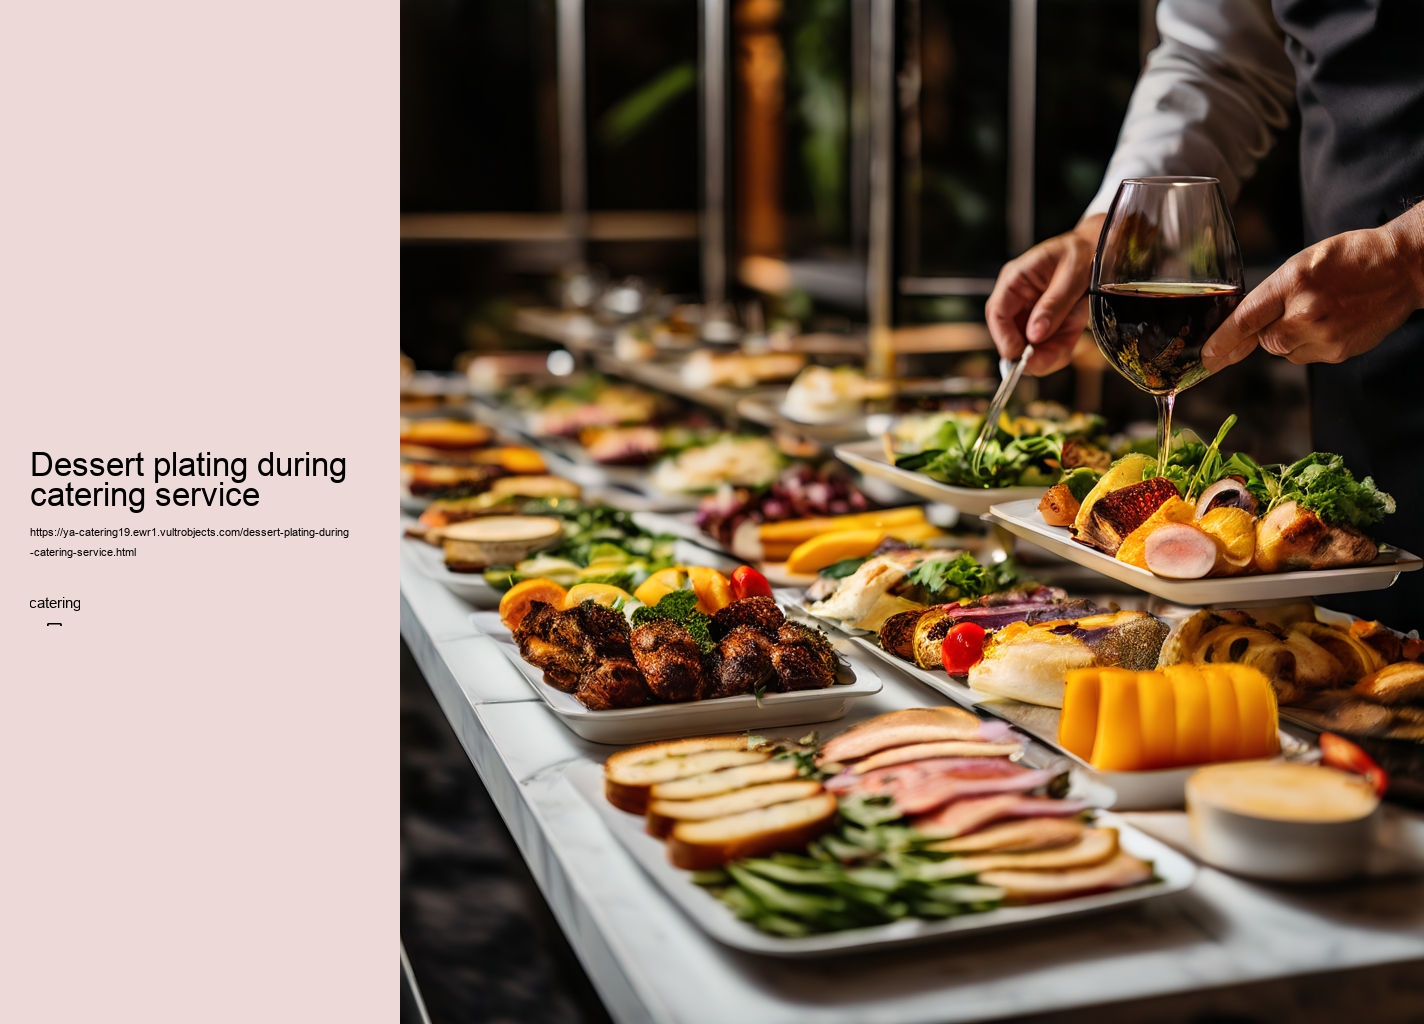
(1224, 946)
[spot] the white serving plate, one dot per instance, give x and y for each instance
(1021, 518)
(691, 718)
(468, 586)
(869, 457)
(1175, 873)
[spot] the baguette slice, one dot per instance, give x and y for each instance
(1016, 836)
(663, 815)
(629, 774)
(1120, 872)
(1095, 846)
(726, 780)
(696, 845)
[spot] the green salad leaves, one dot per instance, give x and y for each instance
(680, 606)
(965, 577)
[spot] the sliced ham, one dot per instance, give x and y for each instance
(899, 728)
(895, 778)
(944, 748)
(937, 791)
(967, 815)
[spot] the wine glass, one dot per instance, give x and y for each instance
(1166, 274)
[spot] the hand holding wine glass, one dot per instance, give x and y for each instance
(1166, 274)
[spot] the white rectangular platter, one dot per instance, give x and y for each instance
(468, 586)
(858, 679)
(1175, 873)
(1021, 518)
(869, 457)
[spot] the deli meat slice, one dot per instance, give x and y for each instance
(966, 815)
(894, 779)
(937, 791)
(899, 728)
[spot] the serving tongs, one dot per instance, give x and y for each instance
(1011, 370)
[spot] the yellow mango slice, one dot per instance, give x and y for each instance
(829, 548)
(797, 530)
(1225, 717)
(1157, 704)
(1134, 546)
(1235, 531)
(1256, 711)
(1118, 746)
(1078, 724)
(1192, 715)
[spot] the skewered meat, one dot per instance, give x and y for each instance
(759, 612)
(743, 663)
(615, 683)
(670, 660)
(803, 658)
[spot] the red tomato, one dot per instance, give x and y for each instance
(747, 582)
(1338, 752)
(962, 647)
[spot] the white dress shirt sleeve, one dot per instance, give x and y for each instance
(1211, 98)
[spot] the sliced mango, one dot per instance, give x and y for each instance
(1119, 720)
(829, 548)
(1118, 746)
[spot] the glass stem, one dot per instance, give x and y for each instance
(1164, 429)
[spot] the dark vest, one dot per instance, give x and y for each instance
(1359, 68)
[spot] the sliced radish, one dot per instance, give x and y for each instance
(1180, 551)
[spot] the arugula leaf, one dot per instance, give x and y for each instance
(840, 570)
(1322, 483)
(945, 580)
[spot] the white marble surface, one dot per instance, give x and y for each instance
(1217, 948)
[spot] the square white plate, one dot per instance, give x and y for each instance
(1021, 518)
(869, 458)
(856, 679)
(1175, 873)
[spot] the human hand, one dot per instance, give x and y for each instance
(1334, 300)
(1041, 298)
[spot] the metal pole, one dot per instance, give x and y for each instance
(880, 282)
(715, 57)
(573, 153)
(1023, 78)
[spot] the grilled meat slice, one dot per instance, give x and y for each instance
(614, 683)
(561, 677)
(669, 659)
(803, 658)
(1119, 512)
(897, 635)
(743, 663)
(1291, 537)
(760, 612)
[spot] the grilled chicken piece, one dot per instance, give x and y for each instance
(1291, 537)
(760, 612)
(605, 631)
(670, 660)
(897, 634)
(803, 658)
(543, 642)
(743, 663)
(1117, 513)
(615, 683)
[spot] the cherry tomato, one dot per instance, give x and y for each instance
(962, 647)
(747, 582)
(1338, 752)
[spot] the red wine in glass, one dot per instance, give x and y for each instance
(1167, 272)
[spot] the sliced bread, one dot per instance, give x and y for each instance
(1120, 872)
(629, 774)
(790, 826)
(726, 780)
(664, 814)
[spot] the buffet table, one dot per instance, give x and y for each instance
(1224, 947)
